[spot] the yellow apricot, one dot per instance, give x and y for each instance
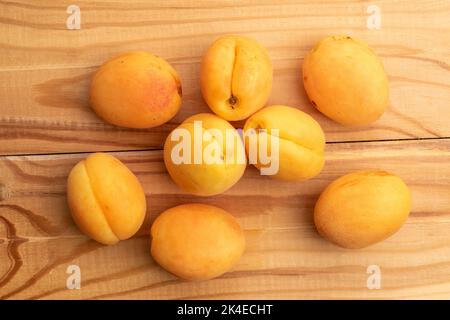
(205, 155)
(196, 241)
(236, 77)
(301, 141)
(346, 81)
(105, 199)
(136, 90)
(362, 208)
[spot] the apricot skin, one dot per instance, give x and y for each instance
(206, 179)
(235, 77)
(196, 241)
(105, 199)
(136, 90)
(301, 141)
(362, 208)
(346, 81)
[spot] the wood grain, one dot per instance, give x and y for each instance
(285, 257)
(45, 69)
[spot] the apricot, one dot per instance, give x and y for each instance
(136, 90)
(236, 77)
(196, 241)
(205, 155)
(362, 208)
(301, 142)
(105, 199)
(346, 81)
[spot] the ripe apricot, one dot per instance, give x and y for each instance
(346, 81)
(362, 208)
(205, 155)
(235, 77)
(136, 90)
(196, 241)
(300, 139)
(105, 199)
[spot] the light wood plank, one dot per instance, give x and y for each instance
(45, 69)
(285, 257)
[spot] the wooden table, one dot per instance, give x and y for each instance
(46, 126)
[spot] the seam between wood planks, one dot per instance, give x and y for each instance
(160, 149)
